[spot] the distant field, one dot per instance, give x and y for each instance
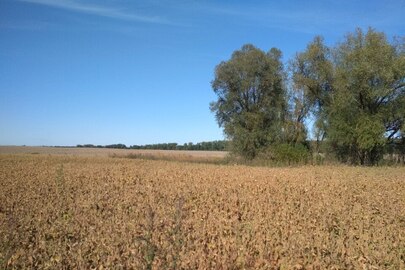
(77, 211)
(106, 152)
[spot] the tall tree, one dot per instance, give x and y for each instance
(357, 90)
(251, 101)
(313, 77)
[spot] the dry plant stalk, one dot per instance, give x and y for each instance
(61, 212)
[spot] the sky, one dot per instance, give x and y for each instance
(139, 72)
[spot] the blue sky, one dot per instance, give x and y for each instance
(139, 72)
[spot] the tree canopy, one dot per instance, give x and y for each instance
(251, 99)
(354, 91)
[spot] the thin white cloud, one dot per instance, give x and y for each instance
(99, 11)
(290, 19)
(304, 18)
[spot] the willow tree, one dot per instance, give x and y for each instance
(357, 90)
(313, 78)
(251, 103)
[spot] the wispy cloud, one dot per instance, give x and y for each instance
(306, 18)
(108, 12)
(291, 18)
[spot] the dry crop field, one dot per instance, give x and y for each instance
(83, 212)
(108, 152)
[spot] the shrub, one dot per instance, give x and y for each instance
(287, 153)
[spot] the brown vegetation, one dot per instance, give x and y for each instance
(92, 212)
(105, 152)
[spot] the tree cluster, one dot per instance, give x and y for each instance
(203, 146)
(354, 92)
(113, 146)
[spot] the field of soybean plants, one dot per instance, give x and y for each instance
(99, 212)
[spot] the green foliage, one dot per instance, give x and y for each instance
(356, 91)
(287, 153)
(251, 104)
(201, 146)
(313, 75)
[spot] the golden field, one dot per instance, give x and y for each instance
(108, 152)
(98, 212)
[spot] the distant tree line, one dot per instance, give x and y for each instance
(354, 92)
(203, 146)
(115, 146)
